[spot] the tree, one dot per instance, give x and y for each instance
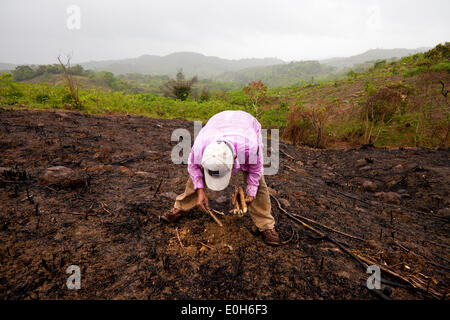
(204, 95)
(23, 73)
(379, 110)
(256, 91)
(180, 88)
(72, 85)
(307, 124)
(351, 74)
(77, 70)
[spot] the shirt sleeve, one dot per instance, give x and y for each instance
(255, 171)
(195, 169)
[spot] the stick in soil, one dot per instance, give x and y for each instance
(214, 217)
(242, 197)
(376, 292)
(218, 212)
(178, 236)
(234, 197)
(205, 245)
(363, 261)
(157, 189)
(237, 208)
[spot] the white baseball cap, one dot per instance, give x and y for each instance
(217, 163)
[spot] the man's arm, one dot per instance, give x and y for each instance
(255, 171)
(196, 173)
(194, 168)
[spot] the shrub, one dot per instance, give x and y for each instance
(9, 91)
(299, 127)
(351, 74)
(370, 87)
(379, 64)
(42, 98)
(439, 53)
(23, 73)
(411, 72)
(443, 66)
(204, 95)
(379, 110)
(256, 91)
(180, 88)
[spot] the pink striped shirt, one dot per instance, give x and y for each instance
(243, 132)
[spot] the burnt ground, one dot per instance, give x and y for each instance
(109, 223)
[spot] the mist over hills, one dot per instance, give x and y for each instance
(192, 64)
(272, 71)
(7, 66)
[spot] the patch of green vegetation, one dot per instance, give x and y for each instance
(370, 87)
(10, 92)
(326, 111)
(97, 101)
(412, 72)
(442, 66)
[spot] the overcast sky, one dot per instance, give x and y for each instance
(37, 31)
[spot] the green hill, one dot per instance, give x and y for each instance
(191, 63)
(371, 55)
(279, 75)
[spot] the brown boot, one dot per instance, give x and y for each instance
(271, 237)
(173, 215)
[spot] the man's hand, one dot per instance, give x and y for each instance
(202, 200)
(249, 199)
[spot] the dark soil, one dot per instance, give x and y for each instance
(109, 224)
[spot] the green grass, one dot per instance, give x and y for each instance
(97, 101)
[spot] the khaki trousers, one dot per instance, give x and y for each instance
(259, 209)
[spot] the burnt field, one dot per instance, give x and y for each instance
(338, 210)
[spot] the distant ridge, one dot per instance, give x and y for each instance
(192, 64)
(372, 55)
(273, 70)
(7, 66)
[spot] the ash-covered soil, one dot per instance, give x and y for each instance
(392, 205)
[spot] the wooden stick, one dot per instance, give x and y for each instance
(104, 208)
(157, 189)
(242, 197)
(205, 245)
(376, 292)
(287, 155)
(363, 261)
(328, 228)
(321, 234)
(214, 217)
(178, 236)
(218, 212)
(413, 282)
(237, 208)
(316, 223)
(420, 255)
(234, 197)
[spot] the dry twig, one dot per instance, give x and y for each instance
(214, 217)
(178, 236)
